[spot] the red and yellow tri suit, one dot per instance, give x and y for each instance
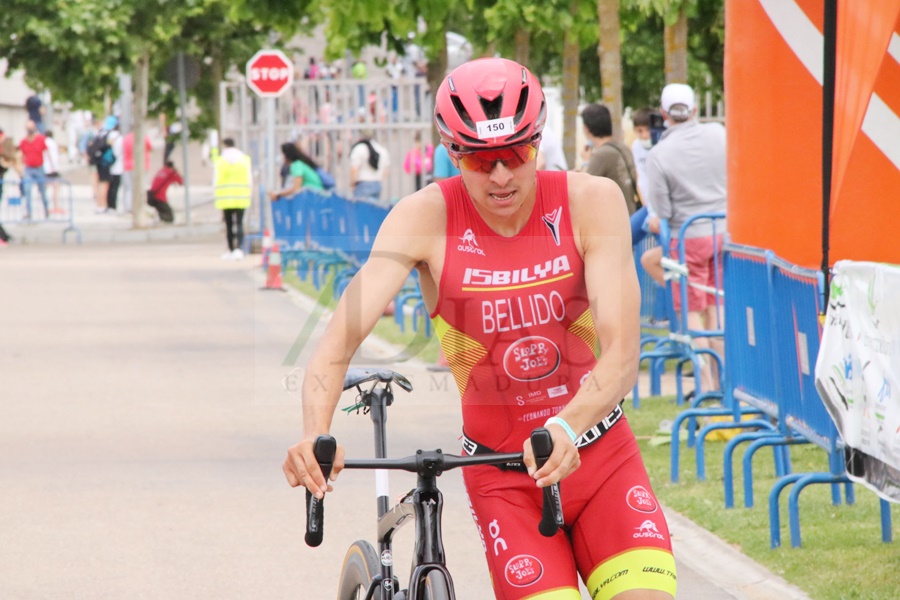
(514, 321)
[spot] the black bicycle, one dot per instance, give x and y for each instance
(367, 574)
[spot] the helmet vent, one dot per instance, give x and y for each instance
(492, 108)
(442, 125)
(463, 113)
(520, 107)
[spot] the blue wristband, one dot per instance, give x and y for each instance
(562, 423)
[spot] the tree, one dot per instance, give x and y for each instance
(75, 48)
(609, 50)
(694, 34)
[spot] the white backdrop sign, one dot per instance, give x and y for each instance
(858, 370)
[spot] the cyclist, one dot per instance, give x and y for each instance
(526, 273)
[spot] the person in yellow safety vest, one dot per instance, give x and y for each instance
(234, 185)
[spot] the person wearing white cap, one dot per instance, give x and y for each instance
(686, 176)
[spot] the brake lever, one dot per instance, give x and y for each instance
(325, 448)
(552, 515)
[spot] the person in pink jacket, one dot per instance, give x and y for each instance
(418, 161)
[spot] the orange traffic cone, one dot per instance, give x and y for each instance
(273, 269)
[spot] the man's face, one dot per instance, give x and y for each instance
(30, 127)
(500, 181)
(642, 132)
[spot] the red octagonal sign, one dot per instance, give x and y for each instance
(270, 73)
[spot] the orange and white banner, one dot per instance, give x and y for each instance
(773, 90)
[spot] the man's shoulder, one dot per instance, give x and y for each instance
(422, 213)
(591, 201)
(587, 190)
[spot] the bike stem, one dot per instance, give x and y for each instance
(429, 504)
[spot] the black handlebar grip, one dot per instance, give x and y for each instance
(552, 517)
(324, 449)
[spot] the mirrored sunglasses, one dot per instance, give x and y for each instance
(484, 160)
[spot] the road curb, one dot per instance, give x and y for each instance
(724, 565)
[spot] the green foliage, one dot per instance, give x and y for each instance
(837, 540)
(75, 48)
(643, 57)
(78, 48)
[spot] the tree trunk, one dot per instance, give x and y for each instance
(609, 49)
(523, 47)
(138, 198)
(217, 74)
(676, 49)
(570, 95)
(437, 69)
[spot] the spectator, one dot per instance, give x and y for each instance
(102, 156)
(686, 176)
(128, 164)
(312, 71)
(443, 166)
(395, 70)
(360, 71)
(84, 140)
(640, 148)
(550, 153)
(51, 170)
(32, 149)
(114, 139)
(369, 162)
(157, 195)
(302, 172)
(608, 157)
(36, 111)
(7, 161)
(234, 187)
(172, 137)
(418, 161)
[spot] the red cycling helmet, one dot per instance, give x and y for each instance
(489, 103)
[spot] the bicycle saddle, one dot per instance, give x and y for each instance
(354, 377)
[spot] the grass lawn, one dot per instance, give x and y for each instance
(842, 556)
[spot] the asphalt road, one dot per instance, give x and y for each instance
(148, 399)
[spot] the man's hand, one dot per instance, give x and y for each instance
(562, 462)
(301, 469)
(653, 224)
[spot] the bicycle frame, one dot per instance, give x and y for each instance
(425, 503)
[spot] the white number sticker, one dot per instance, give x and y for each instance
(495, 128)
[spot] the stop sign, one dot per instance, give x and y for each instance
(270, 73)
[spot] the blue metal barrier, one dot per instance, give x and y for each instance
(749, 359)
(797, 302)
(654, 318)
(675, 344)
(681, 341)
(747, 366)
(16, 196)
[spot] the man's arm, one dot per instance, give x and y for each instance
(404, 240)
(603, 233)
(657, 200)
